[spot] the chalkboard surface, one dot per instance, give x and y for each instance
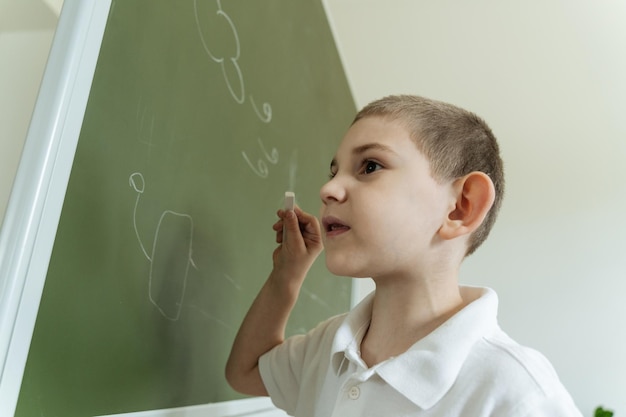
(201, 114)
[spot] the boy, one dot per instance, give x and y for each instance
(414, 188)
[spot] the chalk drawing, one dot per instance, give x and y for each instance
(234, 79)
(211, 317)
(261, 168)
(233, 282)
(266, 117)
(145, 128)
(316, 299)
(226, 63)
(169, 263)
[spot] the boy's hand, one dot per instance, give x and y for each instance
(299, 243)
(264, 325)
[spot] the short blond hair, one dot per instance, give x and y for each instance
(455, 142)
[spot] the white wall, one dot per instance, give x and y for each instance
(547, 76)
(26, 31)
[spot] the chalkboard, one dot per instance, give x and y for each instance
(200, 115)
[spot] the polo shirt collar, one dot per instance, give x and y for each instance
(426, 371)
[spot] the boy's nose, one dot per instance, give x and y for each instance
(333, 191)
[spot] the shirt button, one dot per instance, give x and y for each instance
(354, 393)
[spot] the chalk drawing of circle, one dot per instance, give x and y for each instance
(136, 181)
(171, 259)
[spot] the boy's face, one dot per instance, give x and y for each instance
(381, 209)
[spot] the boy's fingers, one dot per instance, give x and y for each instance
(297, 229)
(290, 221)
(279, 236)
(309, 223)
(294, 224)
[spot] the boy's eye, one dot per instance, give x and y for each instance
(370, 166)
(333, 169)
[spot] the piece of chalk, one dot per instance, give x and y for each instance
(290, 200)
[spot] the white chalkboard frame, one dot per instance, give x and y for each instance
(34, 208)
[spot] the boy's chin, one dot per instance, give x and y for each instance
(341, 268)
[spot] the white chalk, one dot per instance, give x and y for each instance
(290, 200)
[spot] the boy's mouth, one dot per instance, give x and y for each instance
(334, 226)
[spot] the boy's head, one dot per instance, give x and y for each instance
(455, 142)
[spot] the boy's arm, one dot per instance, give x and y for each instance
(264, 325)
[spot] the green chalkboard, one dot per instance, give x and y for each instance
(200, 115)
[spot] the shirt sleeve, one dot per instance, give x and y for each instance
(556, 404)
(297, 364)
(281, 370)
(554, 407)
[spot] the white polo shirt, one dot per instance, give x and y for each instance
(467, 367)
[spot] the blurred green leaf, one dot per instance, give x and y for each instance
(601, 412)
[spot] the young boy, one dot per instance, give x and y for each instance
(414, 188)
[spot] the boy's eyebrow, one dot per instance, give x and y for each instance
(364, 148)
(369, 146)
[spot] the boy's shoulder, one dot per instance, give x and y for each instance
(517, 377)
(510, 358)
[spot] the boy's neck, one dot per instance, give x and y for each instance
(404, 312)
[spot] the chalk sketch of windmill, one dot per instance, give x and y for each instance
(170, 257)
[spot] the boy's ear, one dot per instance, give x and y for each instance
(474, 194)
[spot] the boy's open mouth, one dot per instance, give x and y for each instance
(334, 225)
